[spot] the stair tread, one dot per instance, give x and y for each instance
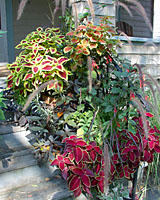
(11, 163)
(12, 128)
(54, 188)
(14, 141)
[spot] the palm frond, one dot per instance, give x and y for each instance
(21, 8)
(142, 112)
(89, 64)
(140, 9)
(35, 92)
(118, 3)
(91, 7)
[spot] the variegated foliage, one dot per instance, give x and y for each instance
(41, 60)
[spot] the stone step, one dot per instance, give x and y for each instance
(21, 177)
(17, 160)
(14, 142)
(10, 128)
(51, 189)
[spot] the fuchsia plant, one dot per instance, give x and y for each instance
(82, 165)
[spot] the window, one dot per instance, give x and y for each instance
(137, 25)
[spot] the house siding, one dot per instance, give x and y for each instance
(140, 28)
(36, 14)
(148, 56)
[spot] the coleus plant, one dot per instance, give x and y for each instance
(82, 165)
(90, 40)
(133, 149)
(41, 60)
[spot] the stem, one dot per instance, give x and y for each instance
(135, 176)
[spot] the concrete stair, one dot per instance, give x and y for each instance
(20, 176)
(4, 71)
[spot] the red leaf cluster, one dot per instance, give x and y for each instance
(133, 148)
(82, 165)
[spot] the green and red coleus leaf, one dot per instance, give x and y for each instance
(62, 60)
(47, 68)
(35, 69)
(63, 74)
(67, 49)
(28, 76)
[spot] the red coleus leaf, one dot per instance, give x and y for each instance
(157, 148)
(77, 171)
(47, 68)
(94, 183)
(74, 183)
(61, 165)
(59, 67)
(62, 60)
(93, 143)
(70, 142)
(78, 154)
(73, 137)
(93, 155)
(146, 155)
(18, 69)
(112, 169)
(128, 149)
(149, 115)
(77, 192)
(86, 156)
(97, 169)
(70, 33)
(115, 158)
(67, 49)
(81, 143)
(63, 74)
(86, 181)
(99, 159)
(17, 81)
(126, 172)
(132, 156)
(89, 147)
(51, 85)
(145, 142)
(86, 189)
(65, 173)
(101, 186)
(67, 161)
(80, 34)
(55, 162)
(98, 150)
(45, 62)
(81, 27)
(88, 172)
(35, 69)
(39, 58)
(151, 144)
(53, 50)
(28, 76)
(71, 156)
(151, 130)
(59, 158)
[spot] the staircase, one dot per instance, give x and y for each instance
(20, 176)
